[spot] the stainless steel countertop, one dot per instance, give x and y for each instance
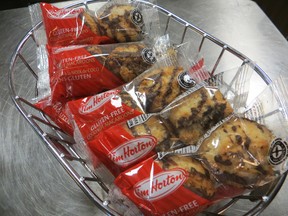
(31, 180)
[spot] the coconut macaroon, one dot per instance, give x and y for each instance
(237, 153)
(125, 60)
(128, 60)
(121, 22)
(197, 112)
(90, 21)
(158, 87)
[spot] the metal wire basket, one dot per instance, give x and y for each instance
(24, 69)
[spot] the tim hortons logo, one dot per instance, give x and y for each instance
(132, 150)
(161, 185)
(97, 101)
(64, 13)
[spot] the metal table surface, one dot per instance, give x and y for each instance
(31, 180)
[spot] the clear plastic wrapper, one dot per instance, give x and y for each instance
(91, 115)
(126, 21)
(180, 123)
(247, 149)
(115, 21)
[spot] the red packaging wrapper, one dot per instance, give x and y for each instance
(57, 114)
(79, 71)
(178, 186)
(93, 114)
(232, 158)
(75, 73)
(235, 156)
(149, 92)
(119, 147)
(70, 26)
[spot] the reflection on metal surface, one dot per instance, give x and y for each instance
(29, 168)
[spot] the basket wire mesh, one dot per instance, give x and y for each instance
(23, 66)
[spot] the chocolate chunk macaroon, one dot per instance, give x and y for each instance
(90, 22)
(121, 22)
(237, 153)
(128, 61)
(158, 87)
(125, 60)
(198, 111)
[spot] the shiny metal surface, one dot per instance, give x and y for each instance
(33, 183)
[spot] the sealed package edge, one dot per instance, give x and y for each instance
(180, 123)
(244, 151)
(74, 26)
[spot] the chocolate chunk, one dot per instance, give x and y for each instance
(247, 142)
(238, 139)
(218, 159)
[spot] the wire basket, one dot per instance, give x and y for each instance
(23, 70)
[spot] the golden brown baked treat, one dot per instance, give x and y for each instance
(197, 112)
(129, 101)
(158, 87)
(198, 180)
(94, 49)
(190, 135)
(98, 52)
(90, 22)
(128, 61)
(237, 153)
(121, 22)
